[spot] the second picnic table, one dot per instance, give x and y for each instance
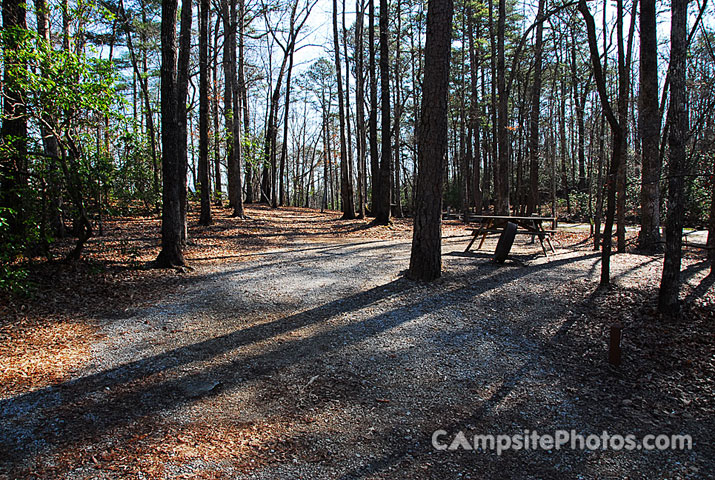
(525, 225)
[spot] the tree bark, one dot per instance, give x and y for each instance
(397, 187)
(563, 147)
(382, 203)
(501, 170)
(668, 296)
(346, 190)
(534, 114)
(182, 89)
(229, 31)
(286, 119)
(170, 254)
(236, 123)
(372, 119)
(474, 113)
(348, 123)
(622, 112)
(649, 122)
(326, 159)
(465, 151)
(711, 224)
(216, 136)
(426, 254)
(243, 95)
(361, 134)
(579, 98)
(599, 185)
(205, 186)
(617, 141)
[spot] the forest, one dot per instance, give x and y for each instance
(563, 108)
(303, 163)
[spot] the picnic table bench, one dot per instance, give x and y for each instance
(525, 225)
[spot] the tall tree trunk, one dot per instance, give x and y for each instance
(372, 119)
(579, 98)
(361, 134)
(563, 146)
(266, 183)
(617, 142)
(501, 170)
(474, 112)
(348, 124)
(346, 190)
(243, 95)
(520, 194)
(382, 205)
(182, 88)
(599, 184)
(649, 122)
(170, 254)
(668, 296)
(624, 91)
(216, 135)
(534, 115)
(286, 118)
(236, 134)
(65, 10)
(326, 159)
(551, 151)
(426, 254)
(490, 153)
(229, 30)
(205, 186)
(416, 50)
(711, 225)
(622, 112)
(465, 152)
(397, 190)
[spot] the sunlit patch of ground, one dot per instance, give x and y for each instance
(37, 355)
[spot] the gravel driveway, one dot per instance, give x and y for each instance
(319, 360)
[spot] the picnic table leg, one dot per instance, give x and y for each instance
(489, 225)
(474, 237)
(538, 227)
(541, 241)
(548, 238)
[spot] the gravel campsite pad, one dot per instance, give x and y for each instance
(318, 359)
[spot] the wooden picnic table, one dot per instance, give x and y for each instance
(525, 225)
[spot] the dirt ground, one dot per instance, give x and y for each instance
(295, 348)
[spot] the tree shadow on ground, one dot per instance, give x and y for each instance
(480, 414)
(81, 409)
(701, 288)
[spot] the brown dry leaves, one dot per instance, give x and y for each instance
(35, 355)
(160, 450)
